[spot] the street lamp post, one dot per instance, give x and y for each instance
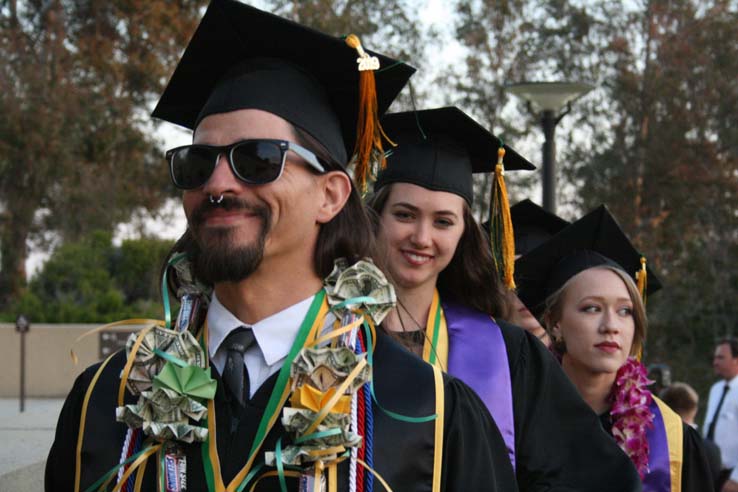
(550, 98)
(22, 325)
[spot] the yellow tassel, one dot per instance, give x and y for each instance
(369, 132)
(641, 279)
(501, 228)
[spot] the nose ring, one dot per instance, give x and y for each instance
(215, 201)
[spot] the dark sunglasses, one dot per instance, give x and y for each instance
(254, 162)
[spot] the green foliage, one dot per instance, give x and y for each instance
(92, 281)
(77, 153)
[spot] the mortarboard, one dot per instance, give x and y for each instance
(532, 225)
(241, 57)
(440, 149)
(594, 240)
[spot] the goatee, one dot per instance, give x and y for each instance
(219, 257)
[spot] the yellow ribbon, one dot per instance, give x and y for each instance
(139, 477)
(129, 363)
(438, 441)
(339, 331)
(336, 396)
(125, 322)
(82, 421)
(286, 473)
(140, 461)
(376, 475)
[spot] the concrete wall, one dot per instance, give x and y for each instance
(50, 371)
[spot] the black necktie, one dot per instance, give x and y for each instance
(711, 429)
(234, 373)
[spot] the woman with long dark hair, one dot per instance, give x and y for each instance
(449, 296)
(582, 280)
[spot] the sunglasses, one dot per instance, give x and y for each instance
(254, 162)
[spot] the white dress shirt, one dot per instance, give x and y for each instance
(273, 336)
(726, 428)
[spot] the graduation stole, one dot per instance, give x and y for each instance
(665, 455)
(307, 335)
(454, 335)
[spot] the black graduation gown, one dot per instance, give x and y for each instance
(474, 456)
(559, 442)
(696, 473)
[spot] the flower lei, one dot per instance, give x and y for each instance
(630, 412)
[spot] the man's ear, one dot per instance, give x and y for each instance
(336, 189)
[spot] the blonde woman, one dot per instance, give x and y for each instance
(593, 310)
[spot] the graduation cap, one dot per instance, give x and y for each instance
(439, 149)
(594, 240)
(241, 57)
(532, 225)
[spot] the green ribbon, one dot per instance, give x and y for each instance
(370, 362)
(170, 358)
(354, 301)
(165, 291)
(280, 465)
(434, 342)
(273, 404)
(97, 485)
(318, 435)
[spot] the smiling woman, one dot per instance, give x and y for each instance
(449, 293)
(595, 313)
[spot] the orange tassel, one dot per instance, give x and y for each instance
(369, 132)
(501, 225)
(641, 279)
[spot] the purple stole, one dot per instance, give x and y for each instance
(477, 355)
(658, 478)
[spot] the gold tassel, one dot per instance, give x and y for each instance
(501, 228)
(641, 279)
(369, 132)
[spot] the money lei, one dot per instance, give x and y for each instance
(171, 377)
(318, 374)
(170, 373)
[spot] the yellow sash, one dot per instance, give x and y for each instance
(675, 437)
(438, 331)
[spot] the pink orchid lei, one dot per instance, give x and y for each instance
(630, 412)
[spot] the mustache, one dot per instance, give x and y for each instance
(229, 203)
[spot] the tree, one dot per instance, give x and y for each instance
(76, 151)
(656, 141)
(91, 280)
(499, 41)
(391, 27)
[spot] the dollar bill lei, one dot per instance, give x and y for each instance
(321, 379)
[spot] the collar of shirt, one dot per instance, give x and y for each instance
(733, 383)
(274, 335)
